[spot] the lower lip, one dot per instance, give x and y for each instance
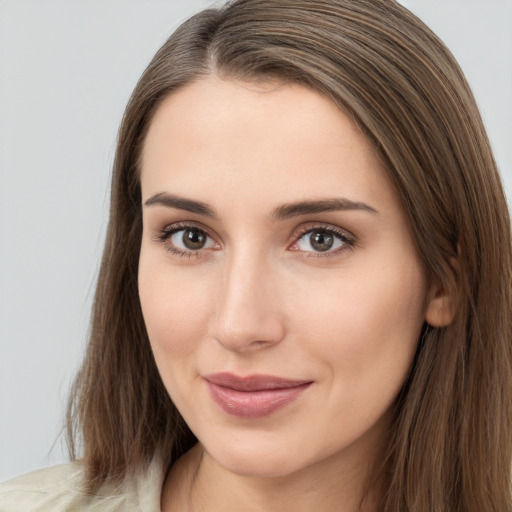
(254, 404)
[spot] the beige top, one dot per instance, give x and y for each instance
(60, 489)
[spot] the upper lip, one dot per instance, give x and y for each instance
(253, 382)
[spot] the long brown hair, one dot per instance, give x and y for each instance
(450, 443)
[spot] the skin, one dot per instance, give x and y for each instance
(259, 298)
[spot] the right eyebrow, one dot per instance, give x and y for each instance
(171, 201)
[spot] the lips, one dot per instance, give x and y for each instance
(253, 396)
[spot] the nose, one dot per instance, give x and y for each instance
(249, 315)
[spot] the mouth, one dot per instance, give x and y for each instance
(253, 396)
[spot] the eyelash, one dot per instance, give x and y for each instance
(166, 233)
(347, 240)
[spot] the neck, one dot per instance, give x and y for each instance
(197, 483)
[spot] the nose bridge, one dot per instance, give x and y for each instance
(248, 312)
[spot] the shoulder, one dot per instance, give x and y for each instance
(40, 490)
(62, 489)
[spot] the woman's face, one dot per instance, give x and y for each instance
(281, 290)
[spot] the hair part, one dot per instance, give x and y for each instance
(451, 440)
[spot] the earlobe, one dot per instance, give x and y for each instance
(440, 310)
(442, 302)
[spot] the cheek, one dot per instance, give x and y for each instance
(365, 326)
(175, 310)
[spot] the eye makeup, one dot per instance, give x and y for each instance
(317, 240)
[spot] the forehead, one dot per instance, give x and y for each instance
(270, 140)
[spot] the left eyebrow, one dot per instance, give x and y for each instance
(325, 205)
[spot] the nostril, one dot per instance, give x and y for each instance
(251, 334)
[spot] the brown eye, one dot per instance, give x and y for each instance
(194, 239)
(187, 240)
(321, 241)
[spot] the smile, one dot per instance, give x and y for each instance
(253, 396)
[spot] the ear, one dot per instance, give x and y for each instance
(441, 302)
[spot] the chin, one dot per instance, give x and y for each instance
(257, 459)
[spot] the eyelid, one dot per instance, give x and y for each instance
(349, 240)
(164, 235)
(185, 224)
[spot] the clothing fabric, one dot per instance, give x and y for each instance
(61, 489)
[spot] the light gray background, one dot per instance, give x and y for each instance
(66, 71)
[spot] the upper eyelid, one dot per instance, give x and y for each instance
(178, 226)
(297, 233)
(337, 230)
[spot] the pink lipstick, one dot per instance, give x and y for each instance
(253, 396)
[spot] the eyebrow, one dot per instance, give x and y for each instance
(181, 203)
(282, 212)
(319, 206)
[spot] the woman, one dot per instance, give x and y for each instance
(304, 297)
